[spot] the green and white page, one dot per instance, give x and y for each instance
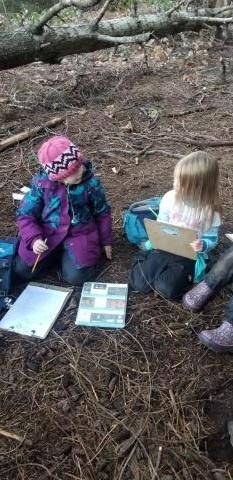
(102, 305)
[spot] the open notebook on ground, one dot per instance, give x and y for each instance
(170, 238)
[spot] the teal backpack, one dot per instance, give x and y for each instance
(8, 248)
(133, 219)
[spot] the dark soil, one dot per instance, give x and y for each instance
(141, 403)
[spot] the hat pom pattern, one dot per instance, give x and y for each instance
(60, 158)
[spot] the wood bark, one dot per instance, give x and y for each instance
(22, 46)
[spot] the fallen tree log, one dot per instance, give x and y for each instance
(23, 46)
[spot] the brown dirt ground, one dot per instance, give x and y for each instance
(93, 404)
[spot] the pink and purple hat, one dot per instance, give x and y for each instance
(60, 158)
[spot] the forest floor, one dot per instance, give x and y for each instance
(147, 402)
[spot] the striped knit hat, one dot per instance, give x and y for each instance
(59, 157)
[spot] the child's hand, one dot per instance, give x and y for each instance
(197, 245)
(39, 246)
(108, 252)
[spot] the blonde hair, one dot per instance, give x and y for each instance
(196, 183)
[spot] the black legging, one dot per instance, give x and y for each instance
(164, 272)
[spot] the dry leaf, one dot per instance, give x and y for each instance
(153, 113)
(160, 54)
(128, 127)
(110, 111)
(187, 78)
(82, 111)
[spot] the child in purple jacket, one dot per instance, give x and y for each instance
(65, 217)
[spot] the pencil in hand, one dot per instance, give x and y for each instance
(37, 259)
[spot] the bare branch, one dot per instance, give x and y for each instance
(212, 20)
(101, 14)
(189, 2)
(224, 9)
(53, 11)
(144, 37)
(176, 7)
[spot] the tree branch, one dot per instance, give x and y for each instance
(101, 14)
(212, 20)
(53, 11)
(22, 47)
(173, 9)
(144, 37)
(224, 9)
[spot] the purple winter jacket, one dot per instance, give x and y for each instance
(78, 217)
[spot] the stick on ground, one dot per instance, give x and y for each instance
(11, 435)
(30, 132)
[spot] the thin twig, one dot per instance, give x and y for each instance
(189, 111)
(37, 28)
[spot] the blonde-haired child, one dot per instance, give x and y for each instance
(193, 203)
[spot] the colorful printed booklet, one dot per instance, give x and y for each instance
(102, 305)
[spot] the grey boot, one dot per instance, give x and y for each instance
(196, 298)
(219, 339)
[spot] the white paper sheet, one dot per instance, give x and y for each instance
(35, 310)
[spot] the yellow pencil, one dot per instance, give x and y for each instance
(37, 259)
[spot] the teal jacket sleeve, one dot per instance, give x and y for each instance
(29, 214)
(210, 239)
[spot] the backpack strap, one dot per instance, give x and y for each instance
(142, 203)
(145, 205)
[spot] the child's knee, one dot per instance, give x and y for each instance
(169, 291)
(22, 270)
(77, 276)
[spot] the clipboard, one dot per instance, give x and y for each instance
(171, 238)
(36, 309)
